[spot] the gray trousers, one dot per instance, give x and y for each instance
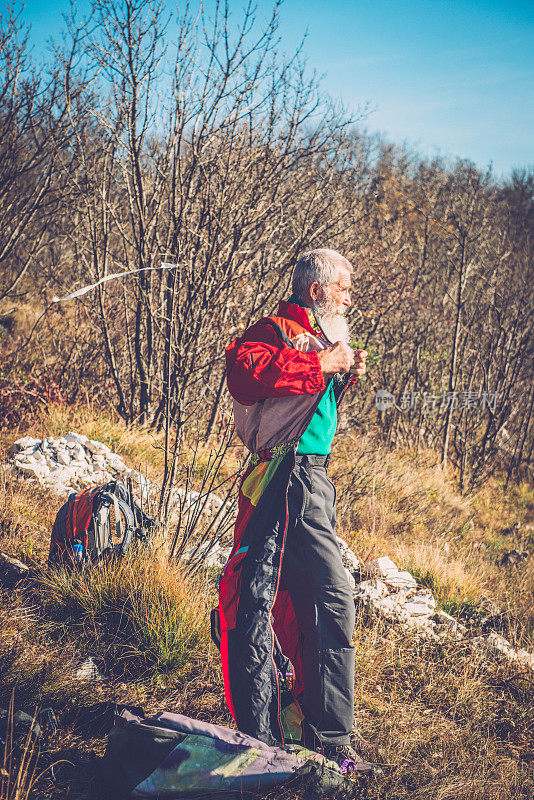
(313, 573)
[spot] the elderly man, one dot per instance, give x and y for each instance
(285, 606)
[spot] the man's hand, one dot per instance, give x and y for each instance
(359, 362)
(339, 358)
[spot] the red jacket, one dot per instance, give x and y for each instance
(275, 378)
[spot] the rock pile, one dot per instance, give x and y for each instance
(184, 504)
(394, 596)
(71, 462)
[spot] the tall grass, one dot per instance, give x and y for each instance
(138, 614)
(19, 770)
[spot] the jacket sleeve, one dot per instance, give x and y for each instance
(259, 366)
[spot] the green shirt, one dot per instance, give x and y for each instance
(317, 438)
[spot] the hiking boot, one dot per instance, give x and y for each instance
(348, 759)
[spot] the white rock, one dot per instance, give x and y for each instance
(116, 463)
(400, 580)
(180, 500)
(26, 444)
(450, 623)
(215, 502)
(423, 595)
(101, 476)
(11, 570)
(380, 567)
(63, 457)
(350, 578)
(77, 451)
(36, 470)
(419, 609)
(422, 625)
(350, 560)
(526, 658)
(81, 467)
(97, 448)
(370, 590)
(56, 468)
(392, 607)
(88, 671)
(503, 646)
(421, 604)
(215, 557)
(65, 475)
(78, 438)
(179, 497)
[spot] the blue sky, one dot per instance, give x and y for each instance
(448, 76)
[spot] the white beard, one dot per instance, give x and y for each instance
(332, 320)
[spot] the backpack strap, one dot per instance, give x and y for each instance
(107, 497)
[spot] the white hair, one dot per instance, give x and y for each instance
(317, 266)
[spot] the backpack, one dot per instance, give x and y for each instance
(82, 533)
(173, 756)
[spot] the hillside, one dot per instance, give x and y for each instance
(163, 171)
(444, 723)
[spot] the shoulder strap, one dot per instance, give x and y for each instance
(109, 495)
(341, 384)
(279, 332)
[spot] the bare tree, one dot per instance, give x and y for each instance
(225, 167)
(33, 137)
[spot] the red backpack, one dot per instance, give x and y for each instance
(82, 529)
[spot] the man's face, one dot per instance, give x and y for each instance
(331, 304)
(335, 298)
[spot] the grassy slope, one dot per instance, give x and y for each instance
(446, 724)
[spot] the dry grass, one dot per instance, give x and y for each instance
(447, 724)
(19, 771)
(137, 615)
(403, 505)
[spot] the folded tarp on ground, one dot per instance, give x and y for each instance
(173, 756)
